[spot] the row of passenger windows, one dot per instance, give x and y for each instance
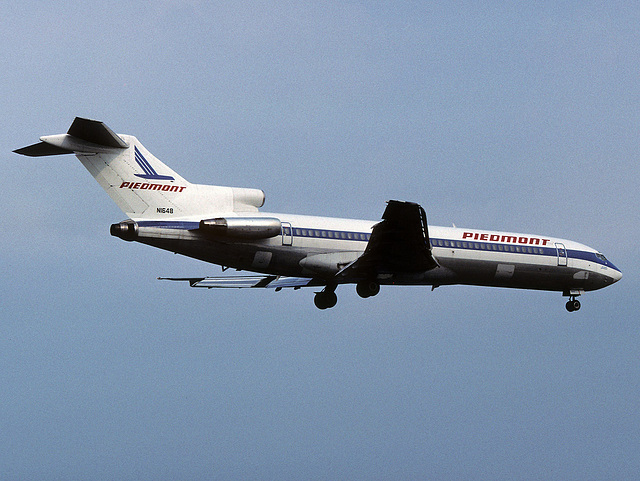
(327, 234)
(331, 234)
(487, 247)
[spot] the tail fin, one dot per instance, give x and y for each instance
(140, 184)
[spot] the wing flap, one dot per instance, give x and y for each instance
(241, 282)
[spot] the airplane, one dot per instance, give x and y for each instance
(224, 226)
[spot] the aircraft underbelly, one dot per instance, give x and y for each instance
(520, 275)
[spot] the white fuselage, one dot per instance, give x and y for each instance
(322, 246)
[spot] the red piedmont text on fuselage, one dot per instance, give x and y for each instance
(505, 238)
(148, 186)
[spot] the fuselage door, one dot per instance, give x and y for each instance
(287, 234)
(562, 254)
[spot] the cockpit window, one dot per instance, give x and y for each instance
(601, 257)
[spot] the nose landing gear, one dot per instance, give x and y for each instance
(573, 304)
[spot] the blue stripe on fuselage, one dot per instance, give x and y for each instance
(167, 224)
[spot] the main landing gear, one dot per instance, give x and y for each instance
(327, 298)
(367, 288)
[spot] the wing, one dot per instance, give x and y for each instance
(239, 282)
(398, 244)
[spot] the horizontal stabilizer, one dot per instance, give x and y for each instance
(84, 136)
(239, 282)
(96, 132)
(42, 149)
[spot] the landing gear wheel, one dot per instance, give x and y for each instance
(367, 288)
(573, 305)
(325, 300)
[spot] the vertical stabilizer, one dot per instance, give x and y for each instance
(135, 179)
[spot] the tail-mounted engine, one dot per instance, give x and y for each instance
(242, 227)
(125, 230)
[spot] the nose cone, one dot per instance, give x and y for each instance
(603, 277)
(616, 275)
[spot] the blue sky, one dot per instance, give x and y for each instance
(493, 116)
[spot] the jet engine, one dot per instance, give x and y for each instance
(242, 227)
(126, 230)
